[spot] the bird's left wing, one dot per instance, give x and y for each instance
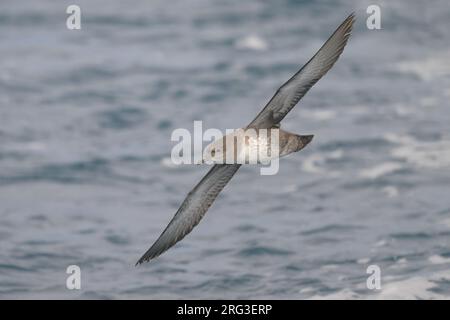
(192, 209)
(295, 88)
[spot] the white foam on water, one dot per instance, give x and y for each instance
(363, 261)
(429, 102)
(381, 243)
(252, 42)
(306, 290)
(403, 110)
(437, 259)
(33, 146)
(345, 294)
(399, 264)
(320, 115)
(380, 170)
(329, 267)
(396, 289)
(168, 163)
(281, 190)
(431, 67)
(315, 163)
(430, 154)
(446, 222)
(390, 191)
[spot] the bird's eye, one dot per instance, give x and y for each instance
(213, 152)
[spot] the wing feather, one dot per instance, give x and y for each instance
(192, 209)
(288, 95)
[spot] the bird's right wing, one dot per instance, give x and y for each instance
(192, 209)
(295, 88)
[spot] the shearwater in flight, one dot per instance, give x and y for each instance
(287, 96)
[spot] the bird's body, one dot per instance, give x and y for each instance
(254, 146)
(201, 197)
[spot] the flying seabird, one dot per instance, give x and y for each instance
(286, 97)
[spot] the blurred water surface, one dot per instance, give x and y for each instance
(85, 174)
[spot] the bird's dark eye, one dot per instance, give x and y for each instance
(213, 152)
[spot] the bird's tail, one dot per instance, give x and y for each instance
(303, 141)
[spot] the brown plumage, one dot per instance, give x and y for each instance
(287, 96)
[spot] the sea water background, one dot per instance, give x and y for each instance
(85, 172)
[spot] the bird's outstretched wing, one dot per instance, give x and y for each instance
(296, 87)
(192, 209)
(205, 192)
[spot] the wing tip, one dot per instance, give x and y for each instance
(344, 31)
(149, 255)
(141, 261)
(144, 259)
(349, 22)
(351, 17)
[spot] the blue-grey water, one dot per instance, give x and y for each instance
(86, 179)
